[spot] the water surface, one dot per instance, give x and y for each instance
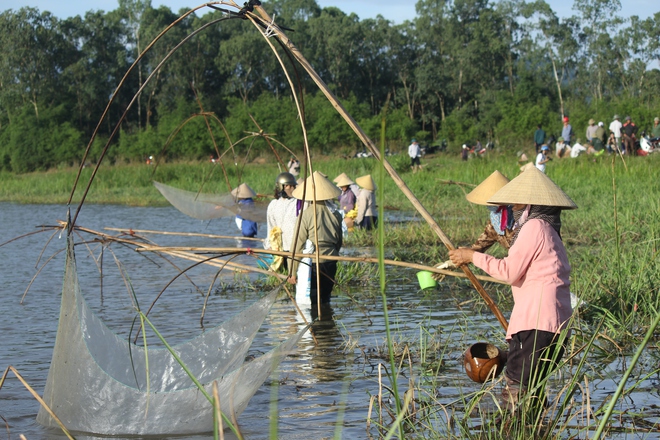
(315, 387)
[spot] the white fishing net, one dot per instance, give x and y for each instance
(209, 206)
(97, 382)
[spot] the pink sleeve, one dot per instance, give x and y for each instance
(521, 254)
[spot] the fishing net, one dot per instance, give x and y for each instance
(100, 383)
(209, 206)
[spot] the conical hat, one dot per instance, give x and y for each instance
(366, 182)
(343, 180)
(487, 188)
(243, 191)
(325, 190)
(532, 187)
(339, 177)
(527, 166)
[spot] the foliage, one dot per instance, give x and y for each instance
(463, 71)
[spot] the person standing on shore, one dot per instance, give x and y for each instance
(629, 131)
(539, 138)
(567, 131)
(538, 271)
(542, 158)
(655, 131)
(615, 128)
(414, 153)
(600, 137)
(293, 166)
(591, 130)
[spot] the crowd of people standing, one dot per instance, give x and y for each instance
(618, 137)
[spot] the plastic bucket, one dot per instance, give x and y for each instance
(425, 279)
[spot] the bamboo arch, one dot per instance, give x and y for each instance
(276, 30)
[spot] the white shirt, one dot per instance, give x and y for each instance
(282, 212)
(577, 149)
(413, 150)
(615, 127)
(366, 204)
(540, 166)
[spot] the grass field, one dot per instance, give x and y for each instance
(612, 239)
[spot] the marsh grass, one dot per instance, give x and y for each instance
(613, 246)
(612, 242)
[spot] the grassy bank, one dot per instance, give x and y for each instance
(612, 242)
(612, 239)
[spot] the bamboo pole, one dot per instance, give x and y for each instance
(275, 30)
(217, 262)
(183, 251)
(131, 231)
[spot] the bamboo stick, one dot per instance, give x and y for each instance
(372, 148)
(217, 262)
(130, 231)
(183, 250)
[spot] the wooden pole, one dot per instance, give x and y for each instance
(130, 231)
(180, 251)
(372, 148)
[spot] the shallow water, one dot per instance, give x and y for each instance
(315, 387)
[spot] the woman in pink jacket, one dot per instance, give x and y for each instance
(538, 271)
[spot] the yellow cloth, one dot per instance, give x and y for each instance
(352, 214)
(275, 240)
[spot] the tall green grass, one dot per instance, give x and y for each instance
(612, 242)
(615, 266)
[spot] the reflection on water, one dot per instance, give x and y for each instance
(312, 384)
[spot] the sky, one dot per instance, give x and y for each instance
(396, 11)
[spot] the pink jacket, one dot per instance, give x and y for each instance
(538, 270)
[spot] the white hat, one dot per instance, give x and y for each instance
(343, 180)
(339, 177)
(527, 166)
(487, 188)
(600, 124)
(316, 187)
(366, 182)
(243, 191)
(532, 187)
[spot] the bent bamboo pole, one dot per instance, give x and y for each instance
(376, 152)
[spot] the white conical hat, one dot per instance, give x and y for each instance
(339, 177)
(243, 191)
(366, 182)
(325, 190)
(343, 180)
(527, 166)
(487, 188)
(532, 187)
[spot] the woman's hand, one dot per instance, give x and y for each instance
(461, 256)
(292, 280)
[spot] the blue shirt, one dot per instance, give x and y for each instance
(248, 227)
(567, 133)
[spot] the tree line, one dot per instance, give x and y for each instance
(462, 70)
